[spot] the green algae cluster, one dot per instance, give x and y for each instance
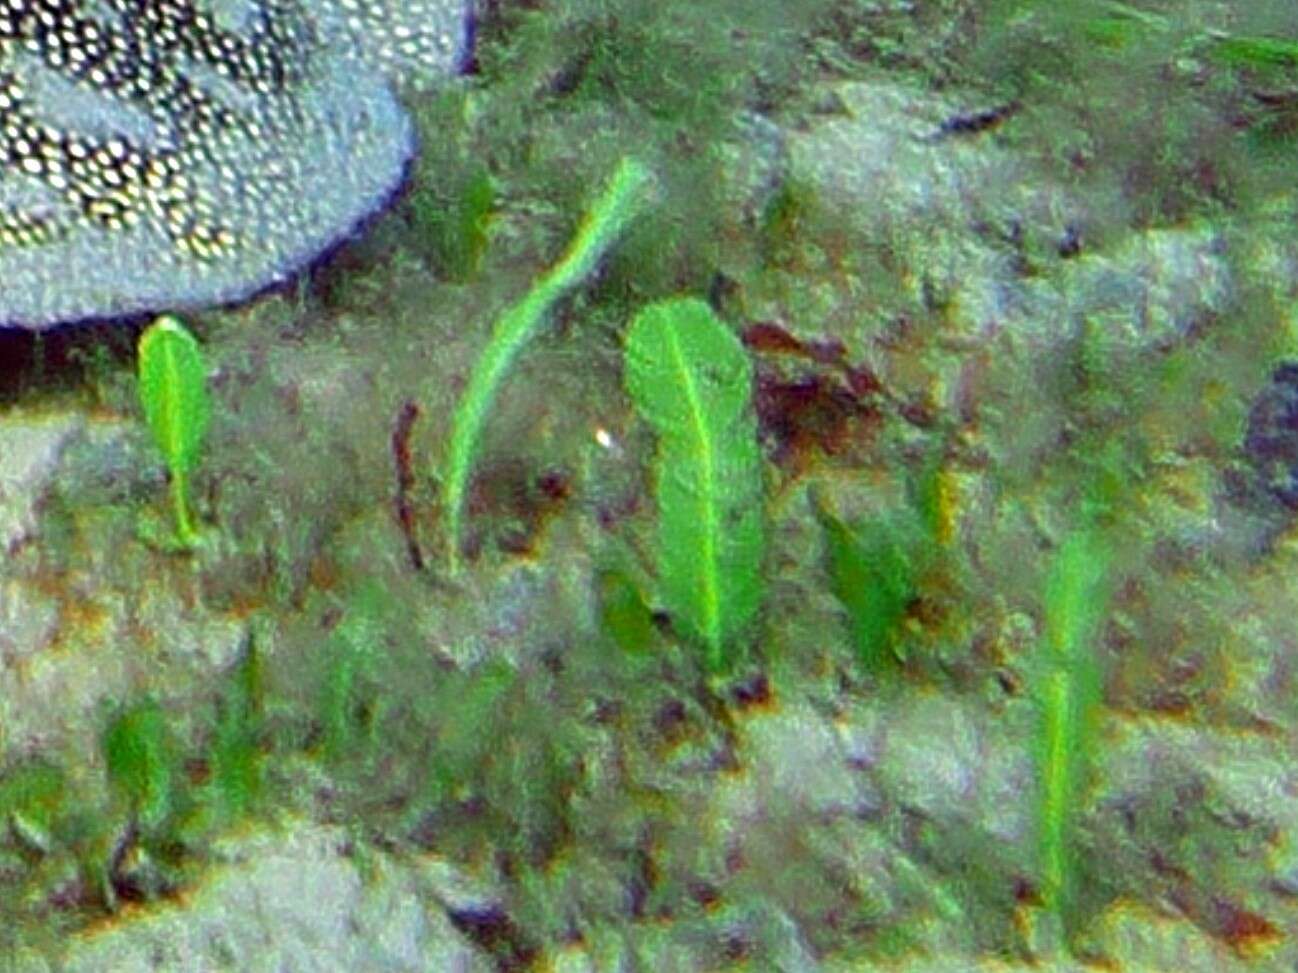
(579, 767)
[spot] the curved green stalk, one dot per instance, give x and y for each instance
(626, 192)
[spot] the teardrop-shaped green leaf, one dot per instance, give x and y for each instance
(689, 377)
(173, 391)
(687, 374)
(174, 397)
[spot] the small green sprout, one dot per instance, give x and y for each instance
(346, 702)
(458, 231)
(876, 566)
(233, 753)
(31, 797)
(174, 397)
(623, 612)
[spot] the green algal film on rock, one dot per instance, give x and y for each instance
(690, 379)
(872, 568)
(174, 396)
(138, 756)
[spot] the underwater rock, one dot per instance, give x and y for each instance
(1271, 440)
(296, 898)
(33, 450)
(173, 154)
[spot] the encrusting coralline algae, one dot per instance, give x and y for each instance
(172, 154)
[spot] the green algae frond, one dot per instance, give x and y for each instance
(138, 753)
(691, 380)
(873, 570)
(1066, 685)
(619, 203)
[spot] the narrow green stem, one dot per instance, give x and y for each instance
(1056, 787)
(626, 192)
(179, 500)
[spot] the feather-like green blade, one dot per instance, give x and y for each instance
(689, 377)
(173, 393)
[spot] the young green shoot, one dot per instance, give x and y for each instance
(174, 396)
(874, 569)
(138, 755)
(1066, 685)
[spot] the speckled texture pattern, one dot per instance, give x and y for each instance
(171, 154)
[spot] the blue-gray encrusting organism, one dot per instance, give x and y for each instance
(172, 154)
